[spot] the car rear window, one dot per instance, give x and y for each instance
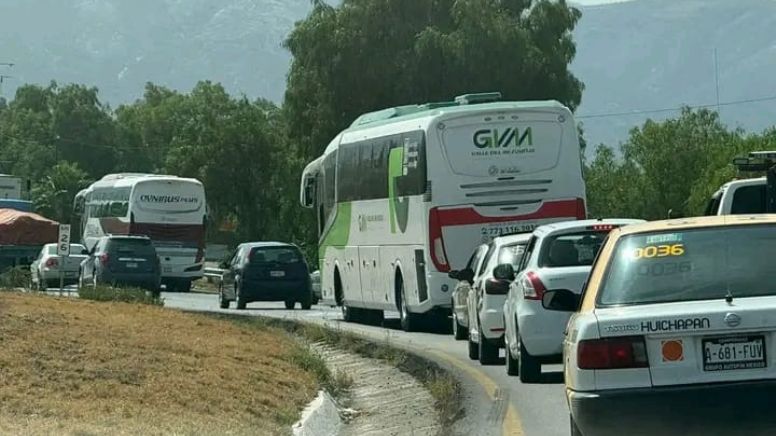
(275, 255)
(571, 249)
(698, 264)
(511, 254)
(137, 247)
(749, 200)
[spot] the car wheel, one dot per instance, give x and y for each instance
(349, 314)
(528, 366)
(290, 304)
(488, 352)
(307, 301)
(223, 303)
(574, 428)
(241, 303)
(459, 332)
(474, 350)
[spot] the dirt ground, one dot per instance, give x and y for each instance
(80, 367)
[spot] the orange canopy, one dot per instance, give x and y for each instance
(25, 228)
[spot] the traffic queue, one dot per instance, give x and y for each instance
(660, 326)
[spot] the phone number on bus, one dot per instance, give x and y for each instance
(493, 231)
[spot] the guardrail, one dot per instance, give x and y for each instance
(213, 273)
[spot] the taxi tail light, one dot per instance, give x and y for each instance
(52, 262)
(436, 242)
(533, 288)
(612, 353)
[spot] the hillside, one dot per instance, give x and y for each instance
(640, 54)
(652, 54)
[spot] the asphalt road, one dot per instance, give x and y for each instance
(496, 404)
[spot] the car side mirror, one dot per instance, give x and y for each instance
(85, 251)
(453, 274)
(223, 265)
(505, 271)
(561, 300)
(466, 275)
(496, 286)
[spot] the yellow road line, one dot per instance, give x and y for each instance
(512, 425)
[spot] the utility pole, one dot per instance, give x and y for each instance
(716, 77)
(4, 77)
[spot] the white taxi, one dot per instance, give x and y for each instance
(675, 332)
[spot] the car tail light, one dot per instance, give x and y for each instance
(436, 242)
(52, 262)
(104, 258)
(612, 353)
(533, 288)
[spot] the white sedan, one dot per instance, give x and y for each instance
(676, 330)
(558, 256)
(48, 267)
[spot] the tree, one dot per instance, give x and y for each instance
(53, 195)
(368, 55)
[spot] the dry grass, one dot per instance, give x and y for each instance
(83, 367)
(202, 285)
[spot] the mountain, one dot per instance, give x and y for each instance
(632, 55)
(655, 54)
(119, 45)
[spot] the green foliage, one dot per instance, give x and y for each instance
(368, 55)
(121, 295)
(15, 277)
(53, 194)
(673, 165)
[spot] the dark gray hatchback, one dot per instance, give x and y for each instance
(122, 260)
(266, 271)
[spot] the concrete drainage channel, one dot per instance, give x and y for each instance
(388, 391)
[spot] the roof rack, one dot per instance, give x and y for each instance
(483, 97)
(756, 161)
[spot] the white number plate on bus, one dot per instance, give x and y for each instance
(743, 352)
(131, 264)
(277, 273)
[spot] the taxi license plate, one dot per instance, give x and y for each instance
(277, 273)
(131, 264)
(167, 269)
(729, 353)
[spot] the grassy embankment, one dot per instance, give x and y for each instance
(72, 366)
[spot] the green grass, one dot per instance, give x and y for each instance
(120, 294)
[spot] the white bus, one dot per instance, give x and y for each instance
(404, 195)
(170, 210)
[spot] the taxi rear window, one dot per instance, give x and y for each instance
(697, 264)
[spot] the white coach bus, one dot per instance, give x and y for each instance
(405, 194)
(168, 209)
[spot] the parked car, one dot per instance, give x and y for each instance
(557, 256)
(465, 278)
(266, 271)
(46, 269)
(487, 296)
(315, 284)
(122, 260)
(672, 332)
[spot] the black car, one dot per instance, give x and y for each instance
(266, 271)
(122, 260)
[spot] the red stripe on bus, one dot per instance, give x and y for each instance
(468, 215)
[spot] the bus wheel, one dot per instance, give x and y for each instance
(409, 320)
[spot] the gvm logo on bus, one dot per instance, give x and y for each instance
(492, 138)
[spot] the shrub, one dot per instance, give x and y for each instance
(120, 294)
(15, 277)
